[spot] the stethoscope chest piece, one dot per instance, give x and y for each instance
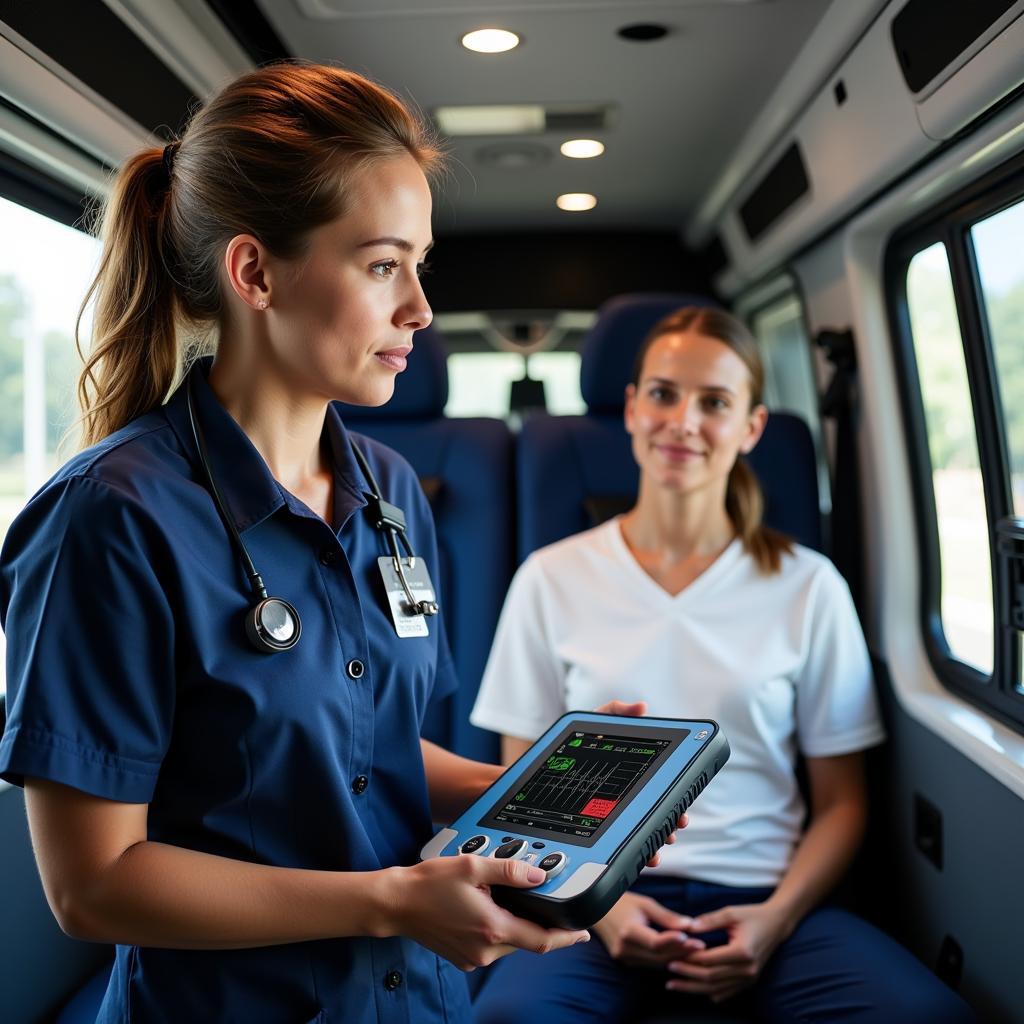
(273, 625)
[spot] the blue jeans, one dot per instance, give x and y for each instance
(834, 967)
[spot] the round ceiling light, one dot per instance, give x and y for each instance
(576, 201)
(582, 149)
(490, 40)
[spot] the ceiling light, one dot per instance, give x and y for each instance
(582, 149)
(490, 40)
(576, 201)
(489, 120)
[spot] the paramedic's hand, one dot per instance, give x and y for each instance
(445, 904)
(641, 932)
(637, 710)
(754, 930)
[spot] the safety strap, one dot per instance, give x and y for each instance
(840, 404)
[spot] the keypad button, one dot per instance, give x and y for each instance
(355, 669)
(538, 846)
(474, 844)
(506, 839)
(512, 850)
(392, 980)
(328, 556)
(359, 784)
(552, 864)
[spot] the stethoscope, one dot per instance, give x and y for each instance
(272, 624)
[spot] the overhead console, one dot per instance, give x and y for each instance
(919, 73)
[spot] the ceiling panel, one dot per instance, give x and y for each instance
(679, 105)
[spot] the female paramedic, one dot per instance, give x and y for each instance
(216, 679)
(688, 603)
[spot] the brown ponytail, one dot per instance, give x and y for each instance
(134, 357)
(271, 155)
(744, 501)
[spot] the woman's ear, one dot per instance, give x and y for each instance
(756, 423)
(245, 266)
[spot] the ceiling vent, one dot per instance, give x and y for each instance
(582, 119)
(513, 156)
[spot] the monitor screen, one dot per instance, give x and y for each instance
(583, 781)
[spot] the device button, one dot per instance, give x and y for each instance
(552, 863)
(506, 839)
(392, 980)
(511, 851)
(474, 844)
(359, 784)
(355, 669)
(538, 846)
(328, 556)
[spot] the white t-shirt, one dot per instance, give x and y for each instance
(779, 661)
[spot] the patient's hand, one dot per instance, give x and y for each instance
(619, 707)
(640, 931)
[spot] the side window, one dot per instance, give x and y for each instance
(957, 308)
(789, 384)
(45, 269)
(965, 573)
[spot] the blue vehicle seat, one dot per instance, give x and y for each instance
(574, 472)
(465, 467)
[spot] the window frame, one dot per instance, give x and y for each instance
(950, 222)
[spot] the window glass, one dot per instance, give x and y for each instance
(786, 352)
(789, 384)
(45, 269)
(479, 383)
(965, 561)
(997, 243)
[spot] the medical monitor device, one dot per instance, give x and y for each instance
(589, 803)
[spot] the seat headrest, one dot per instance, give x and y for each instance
(421, 392)
(613, 342)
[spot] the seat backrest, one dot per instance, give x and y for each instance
(465, 467)
(574, 472)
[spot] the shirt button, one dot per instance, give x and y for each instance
(328, 556)
(359, 784)
(392, 980)
(355, 669)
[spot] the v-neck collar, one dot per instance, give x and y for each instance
(654, 590)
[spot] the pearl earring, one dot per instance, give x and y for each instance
(262, 304)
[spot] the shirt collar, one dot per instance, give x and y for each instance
(250, 492)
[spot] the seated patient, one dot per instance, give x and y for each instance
(688, 604)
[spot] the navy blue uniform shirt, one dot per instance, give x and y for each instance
(130, 677)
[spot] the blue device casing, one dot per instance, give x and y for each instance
(597, 870)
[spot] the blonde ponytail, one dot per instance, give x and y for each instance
(744, 504)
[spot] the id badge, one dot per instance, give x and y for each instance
(415, 569)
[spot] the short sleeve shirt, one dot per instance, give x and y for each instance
(779, 661)
(130, 677)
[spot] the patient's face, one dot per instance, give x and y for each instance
(690, 414)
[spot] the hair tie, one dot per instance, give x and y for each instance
(169, 151)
